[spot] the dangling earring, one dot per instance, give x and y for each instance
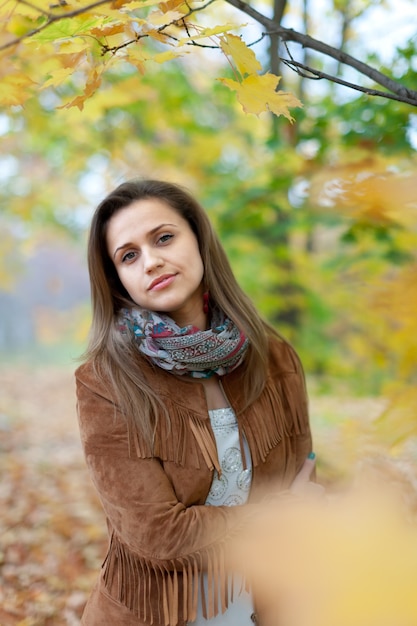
(206, 302)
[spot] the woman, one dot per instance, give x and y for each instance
(187, 399)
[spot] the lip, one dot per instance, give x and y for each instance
(161, 282)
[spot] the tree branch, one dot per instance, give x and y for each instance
(402, 93)
(309, 72)
(397, 91)
(182, 21)
(51, 18)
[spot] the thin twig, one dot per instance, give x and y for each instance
(403, 94)
(314, 74)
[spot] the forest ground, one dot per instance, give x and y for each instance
(52, 532)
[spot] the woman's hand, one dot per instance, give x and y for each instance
(302, 484)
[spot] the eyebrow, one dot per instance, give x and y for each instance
(150, 233)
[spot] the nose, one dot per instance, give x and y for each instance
(151, 259)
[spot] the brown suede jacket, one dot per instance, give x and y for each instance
(161, 534)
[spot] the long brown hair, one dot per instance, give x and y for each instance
(115, 355)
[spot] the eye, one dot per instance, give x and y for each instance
(165, 238)
(129, 256)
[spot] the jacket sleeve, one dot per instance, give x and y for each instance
(137, 495)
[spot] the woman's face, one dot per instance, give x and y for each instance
(156, 256)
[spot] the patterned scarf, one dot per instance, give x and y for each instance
(187, 350)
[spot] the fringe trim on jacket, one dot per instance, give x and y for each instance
(132, 580)
(279, 412)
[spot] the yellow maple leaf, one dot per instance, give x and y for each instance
(157, 35)
(132, 5)
(156, 18)
(173, 4)
(243, 57)
(257, 94)
(91, 86)
(205, 33)
(118, 4)
(108, 29)
(15, 89)
(76, 45)
(20, 25)
(168, 55)
(58, 77)
(136, 57)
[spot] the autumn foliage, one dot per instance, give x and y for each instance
(55, 43)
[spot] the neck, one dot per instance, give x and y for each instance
(199, 319)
